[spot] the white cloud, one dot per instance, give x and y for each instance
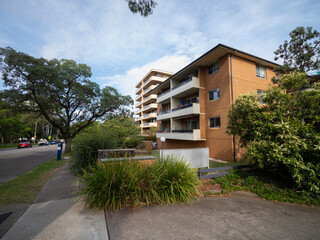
(126, 82)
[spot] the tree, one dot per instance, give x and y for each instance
(283, 134)
(302, 53)
(144, 7)
(59, 89)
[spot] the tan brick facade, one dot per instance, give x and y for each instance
(236, 76)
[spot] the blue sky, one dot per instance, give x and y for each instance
(121, 47)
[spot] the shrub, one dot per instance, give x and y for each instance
(116, 132)
(115, 184)
(85, 147)
(283, 134)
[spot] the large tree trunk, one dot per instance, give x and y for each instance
(68, 142)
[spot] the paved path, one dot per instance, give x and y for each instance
(56, 216)
(217, 218)
(15, 162)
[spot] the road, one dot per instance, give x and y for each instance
(15, 162)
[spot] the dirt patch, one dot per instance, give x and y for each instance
(208, 186)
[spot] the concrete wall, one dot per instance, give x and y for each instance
(196, 157)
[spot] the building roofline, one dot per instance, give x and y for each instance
(211, 50)
(153, 70)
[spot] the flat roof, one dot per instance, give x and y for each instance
(151, 71)
(210, 57)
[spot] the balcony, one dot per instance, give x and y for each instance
(189, 135)
(150, 124)
(186, 110)
(153, 80)
(150, 115)
(138, 91)
(138, 97)
(186, 86)
(137, 104)
(150, 106)
(137, 119)
(150, 98)
(164, 96)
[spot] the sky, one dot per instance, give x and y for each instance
(121, 47)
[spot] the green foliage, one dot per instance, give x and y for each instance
(144, 7)
(58, 89)
(124, 131)
(86, 145)
(150, 134)
(116, 184)
(302, 53)
(266, 186)
(117, 132)
(283, 134)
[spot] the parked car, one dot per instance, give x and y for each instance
(53, 142)
(43, 142)
(24, 145)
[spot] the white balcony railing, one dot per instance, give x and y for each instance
(189, 135)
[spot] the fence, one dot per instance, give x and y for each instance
(219, 172)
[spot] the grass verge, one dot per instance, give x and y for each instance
(265, 186)
(8, 145)
(25, 188)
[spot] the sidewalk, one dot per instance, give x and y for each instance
(56, 216)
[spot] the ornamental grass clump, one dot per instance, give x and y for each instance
(115, 184)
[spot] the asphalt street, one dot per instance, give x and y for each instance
(15, 162)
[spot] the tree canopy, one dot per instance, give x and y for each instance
(144, 7)
(60, 90)
(283, 133)
(301, 53)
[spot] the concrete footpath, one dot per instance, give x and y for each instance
(56, 216)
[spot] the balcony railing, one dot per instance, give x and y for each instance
(147, 81)
(145, 107)
(183, 83)
(147, 90)
(138, 118)
(183, 131)
(160, 113)
(164, 93)
(147, 98)
(182, 107)
(137, 103)
(138, 96)
(147, 115)
(164, 131)
(146, 124)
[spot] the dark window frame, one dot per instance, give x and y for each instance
(213, 68)
(216, 122)
(214, 90)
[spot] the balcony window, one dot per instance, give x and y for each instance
(260, 71)
(214, 94)
(213, 68)
(215, 122)
(191, 124)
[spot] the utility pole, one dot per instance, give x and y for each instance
(35, 132)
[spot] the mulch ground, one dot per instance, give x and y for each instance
(207, 185)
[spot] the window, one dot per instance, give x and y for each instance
(215, 122)
(159, 75)
(191, 124)
(260, 94)
(213, 68)
(260, 71)
(214, 94)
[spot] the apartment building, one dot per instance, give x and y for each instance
(145, 102)
(193, 103)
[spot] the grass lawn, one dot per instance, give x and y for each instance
(265, 186)
(8, 145)
(25, 188)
